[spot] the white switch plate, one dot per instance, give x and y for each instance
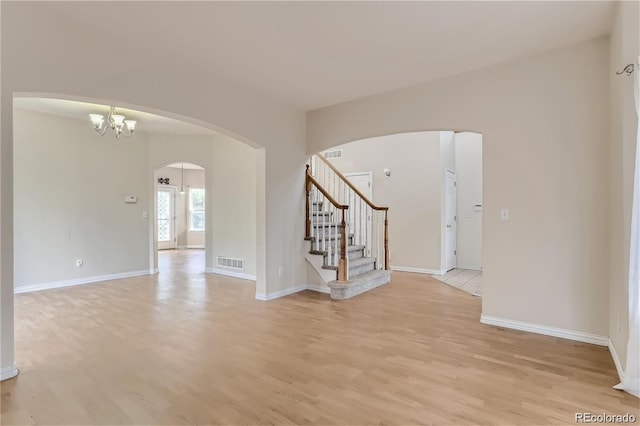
(79, 263)
(280, 271)
(144, 214)
(504, 214)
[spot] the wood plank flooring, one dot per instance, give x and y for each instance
(187, 348)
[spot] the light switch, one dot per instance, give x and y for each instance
(504, 214)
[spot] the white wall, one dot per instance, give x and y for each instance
(69, 190)
(545, 134)
(468, 149)
(412, 192)
(625, 47)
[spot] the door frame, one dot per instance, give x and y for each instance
(448, 246)
(369, 230)
(174, 190)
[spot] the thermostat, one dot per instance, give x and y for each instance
(130, 199)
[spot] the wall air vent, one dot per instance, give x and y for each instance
(227, 262)
(335, 153)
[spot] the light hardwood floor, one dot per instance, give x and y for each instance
(187, 348)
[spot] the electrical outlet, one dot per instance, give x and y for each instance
(79, 263)
(504, 214)
(280, 271)
(144, 214)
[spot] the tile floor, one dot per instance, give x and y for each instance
(465, 279)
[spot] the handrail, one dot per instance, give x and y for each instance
(324, 192)
(344, 179)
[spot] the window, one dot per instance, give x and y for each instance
(196, 209)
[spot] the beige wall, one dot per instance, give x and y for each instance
(545, 133)
(469, 174)
(69, 190)
(412, 192)
(234, 203)
(77, 181)
(625, 47)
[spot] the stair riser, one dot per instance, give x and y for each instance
(357, 254)
(341, 292)
(358, 270)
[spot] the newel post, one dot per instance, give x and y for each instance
(343, 272)
(307, 228)
(386, 241)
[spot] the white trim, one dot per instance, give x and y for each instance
(8, 372)
(265, 297)
(230, 273)
(182, 247)
(616, 361)
(78, 281)
(153, 271)
(319, 289)
(200, 246)
(563, 333)
(417, 270)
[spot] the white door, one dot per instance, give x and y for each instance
(359, 213)
(166, 218)
(450, 221)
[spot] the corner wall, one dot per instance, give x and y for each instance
(625, 48)
(545, 133)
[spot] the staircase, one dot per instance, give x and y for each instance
(344, 229)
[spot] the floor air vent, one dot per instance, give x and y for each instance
(336, 153)
(227, 262)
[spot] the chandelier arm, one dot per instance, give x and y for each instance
(102, 130)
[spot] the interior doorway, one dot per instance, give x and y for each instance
(166, 216)
(179, 211)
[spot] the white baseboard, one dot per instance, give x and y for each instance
(230, 273)
(195, 246)
(270, 296)
(78, 281)
(616, 361)
(319, 289)
(154, 271)
(578, 336)
(417, 270)
(8, 372)
(182, 247)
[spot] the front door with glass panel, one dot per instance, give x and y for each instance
(166, 218)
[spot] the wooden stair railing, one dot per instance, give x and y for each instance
(362, 212)
(321, 241)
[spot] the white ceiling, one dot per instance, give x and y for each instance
(148, 123)
(314, 54)
(306, 54)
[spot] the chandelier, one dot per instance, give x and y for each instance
(117, 123)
